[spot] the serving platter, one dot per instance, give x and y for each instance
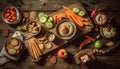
(58, 42)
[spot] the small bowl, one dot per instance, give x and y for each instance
(15, 48)
(68, 36)
(50, 36)
(16, 13)
(35, 25)
(108, 33)
(97, 15)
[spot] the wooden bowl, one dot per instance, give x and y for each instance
(36, 25)
(13, 46)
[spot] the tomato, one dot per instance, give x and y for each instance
(11, 20)
(8, 10)
(14, 17)
(13, 13)
(7, 14)
(9, 17)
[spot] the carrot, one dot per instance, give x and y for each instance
(85, 42)
(35, 53)
(55, 19)
(60, 15)
(37, 47)
(86, 23)
(30, 49)
(80, 21)
(74, 16)
(68, 16)
(88, 37)
(75, 19)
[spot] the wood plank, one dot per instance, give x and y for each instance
(50, 6)
(103, 5)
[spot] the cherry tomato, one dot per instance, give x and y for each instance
(8, 10)
(14, 17)
(13, 13)
(11, 20)
(7, 14)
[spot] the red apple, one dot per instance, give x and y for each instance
(62, 53)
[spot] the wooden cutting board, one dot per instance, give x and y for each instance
(60, 42)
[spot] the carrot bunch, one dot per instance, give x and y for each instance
(87, 41)
(78, 20)
(59, 17)
(34, 49)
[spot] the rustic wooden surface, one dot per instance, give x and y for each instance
(109, 61)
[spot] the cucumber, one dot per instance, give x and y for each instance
(49, 25)
(40, 14)
(50, 19)
(81, 13)
(76, 10)
(43, 19)
(46, 15)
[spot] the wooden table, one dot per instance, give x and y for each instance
(111, 60)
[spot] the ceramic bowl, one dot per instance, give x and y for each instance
(66, 37)
(12, 47)
(17, 14)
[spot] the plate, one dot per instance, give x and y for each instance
(71, 28)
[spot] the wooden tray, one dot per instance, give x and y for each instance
(60, 42)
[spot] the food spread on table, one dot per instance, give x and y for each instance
(65, 25)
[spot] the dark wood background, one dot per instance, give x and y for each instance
(109, 61)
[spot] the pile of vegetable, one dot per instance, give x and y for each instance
(45, 19)
(34, 49)
(10, 14)
(75, 15)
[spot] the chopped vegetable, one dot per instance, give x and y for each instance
(75, 18)
(76, 10)
(43, 19)
(49, 24)
(81, 13)
(50, 19)
(40, 14)
(34, 49)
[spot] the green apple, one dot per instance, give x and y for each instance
(98, 44)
